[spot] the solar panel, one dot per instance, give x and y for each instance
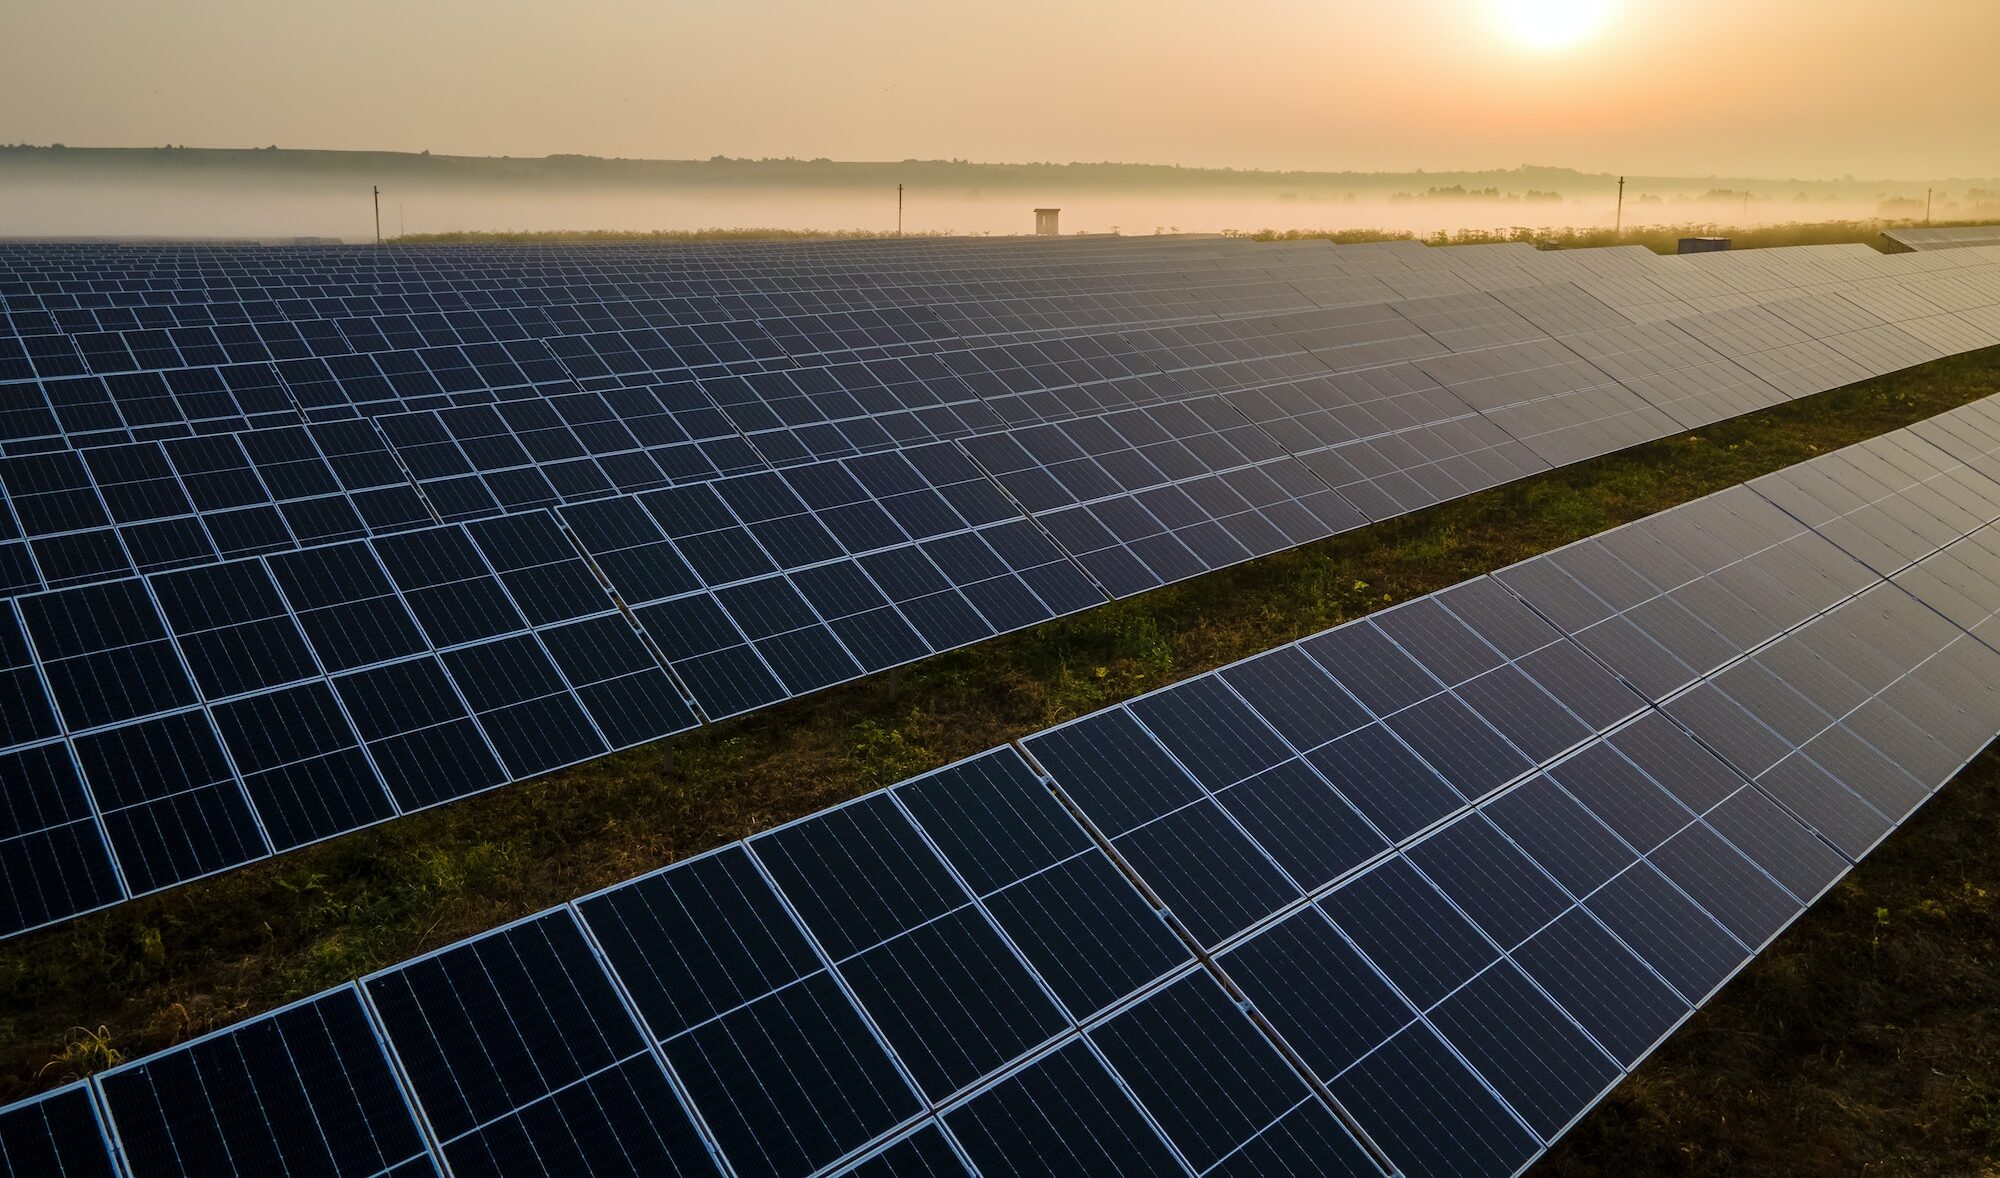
(304, 1089)
(565, 1077)
(1064, 1109)
(768, 456)
(776, 1057)
(1077, 921)
(59, 1132)
(1210, 1079)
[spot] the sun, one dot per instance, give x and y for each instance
(1551, 24)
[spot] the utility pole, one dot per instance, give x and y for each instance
(1618, 225)
(899, 210)
(400, 231)
(1927, 206)
(378, 214)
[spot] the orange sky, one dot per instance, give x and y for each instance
(1810, 88)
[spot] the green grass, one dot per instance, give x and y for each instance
(152, 972)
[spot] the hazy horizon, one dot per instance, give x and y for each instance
(1434, 168)
(1780, 88)
(84, 192)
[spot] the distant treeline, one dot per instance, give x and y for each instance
(277, 164)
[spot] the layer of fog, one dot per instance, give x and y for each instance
(85, 207)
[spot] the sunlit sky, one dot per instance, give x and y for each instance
(1809, 88)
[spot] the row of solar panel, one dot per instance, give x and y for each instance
(1954, 237)
(961, 301)
(923, 325)
(1451, 879)
(1650, 287)
(121, 281)
(528, 453)
(942, 296)
(113, 276)
(119, 269)
(550, 443)
(315, 351)
(805, 614)
(520, 453)
(921, 311)
(888, 401)
(844, 394)
(230, 711)
(933, 395)
(224, 259)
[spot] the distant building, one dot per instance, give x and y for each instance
(1045, 222)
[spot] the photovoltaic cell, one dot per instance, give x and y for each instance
(302, 764)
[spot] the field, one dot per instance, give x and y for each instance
(1861, 1041)
(1662, 239)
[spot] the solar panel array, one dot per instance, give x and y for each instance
(1410, 894)
(298, 540)
(1952, 237)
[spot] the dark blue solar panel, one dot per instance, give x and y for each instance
(302, 764)
(1296, 696)
(1526, 1047)
(858, 874)
(58, 1133)
(922, 1154)
(557, 1048)
(53, 858)
(1429, 1112)
(1116, 772)
(106, 653)
(1207, 872)
(1620, 1000)
(418, 732)
(1673, 934)
(234, 628)
(171, 806)
(1308, 1140)
(304, 1090)
(1064, 1112)
(751, 1022)
(1211, 1080)
(1424, 945)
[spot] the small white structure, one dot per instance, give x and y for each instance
(1045, 222)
